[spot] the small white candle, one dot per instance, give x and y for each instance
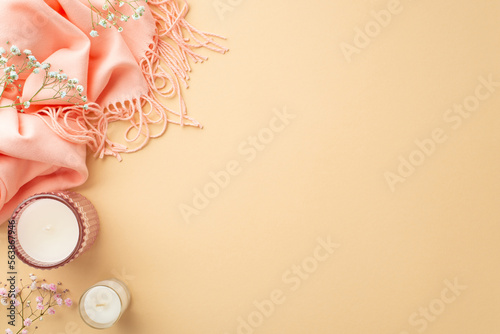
(103, 303)
(48, 231)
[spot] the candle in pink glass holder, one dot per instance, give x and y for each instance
(52, 229)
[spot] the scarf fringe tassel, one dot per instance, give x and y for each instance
(165, 67)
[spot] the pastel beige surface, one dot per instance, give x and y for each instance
(414, 237)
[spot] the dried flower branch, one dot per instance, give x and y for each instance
(111, 14)
(13, 63)
(32, 301)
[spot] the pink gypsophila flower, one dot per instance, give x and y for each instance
(39, 299)
(53, 287)
(52, 311)
(68, 302)
(27, 322)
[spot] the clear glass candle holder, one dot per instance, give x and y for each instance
(53, 229)
(103, 304)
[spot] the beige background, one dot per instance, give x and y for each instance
(322, 176)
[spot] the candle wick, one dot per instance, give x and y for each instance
(101, 305)
(48, 227)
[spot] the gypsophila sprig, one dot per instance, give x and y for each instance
(14, 63)
(33, 300)
(112, 14)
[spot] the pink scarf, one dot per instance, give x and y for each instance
(43, 147)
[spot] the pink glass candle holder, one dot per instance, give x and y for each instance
(52, 229)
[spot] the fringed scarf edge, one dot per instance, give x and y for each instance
(165, 66)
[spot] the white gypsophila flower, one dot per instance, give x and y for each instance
(33, 286)
(63, 95)
(105, 6)
(111, 17)
(4, 301)
(36, 71)
(120, 29)
(124, 18)
(52, 74)
(79, 88)
(15, 50)
(86, 107)
(75, 81)
(103, 23)
(121, 3)
(45, 66)
(84, 98)
(136, 16)
(27, 52)
(3, 60)
(32, 58)
(140, 10)
(2, 51)
(14, 76)
(94, 33)
(26, 104)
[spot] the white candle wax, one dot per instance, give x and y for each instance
(102, 305)
(48, 230)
